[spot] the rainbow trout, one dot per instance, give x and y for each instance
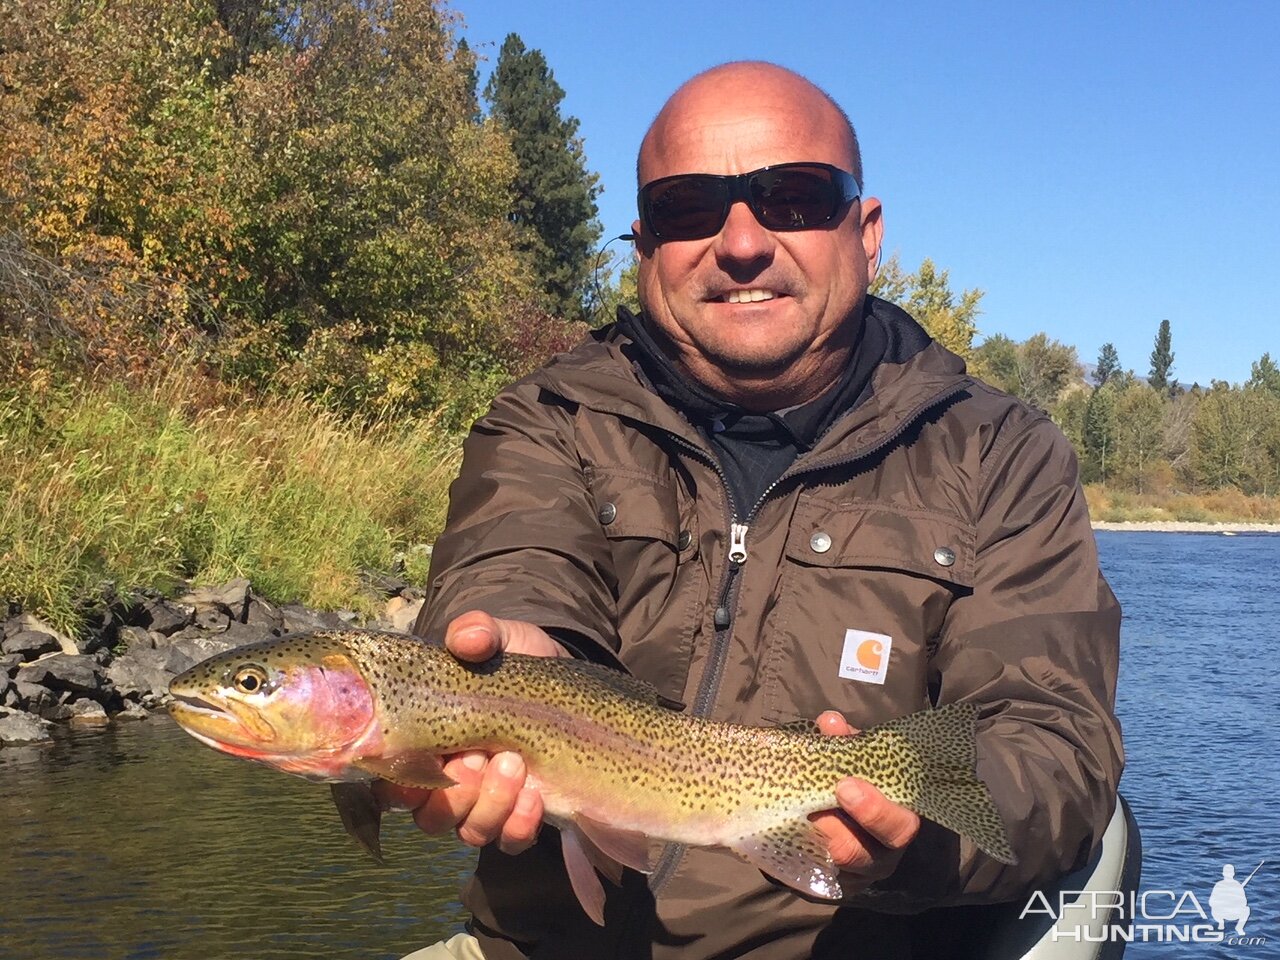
(616, 768)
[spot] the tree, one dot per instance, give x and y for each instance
(1101, 425)
(1229, 437)
(554, 205)
(1108, 364)
(1139, 439)
(927, 296)
(1038, 370)
(1265, 375)
(620, 292)
(1161, 359)
(466, 61)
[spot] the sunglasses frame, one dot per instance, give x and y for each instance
(844, 186)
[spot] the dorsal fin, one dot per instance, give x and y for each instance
(801, 726)
(623, 683)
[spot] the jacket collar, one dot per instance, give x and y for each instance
(911, 375)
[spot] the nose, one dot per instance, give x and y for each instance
(742, 239)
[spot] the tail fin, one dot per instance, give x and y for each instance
(940, 750)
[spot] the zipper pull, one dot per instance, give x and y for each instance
(738, 542)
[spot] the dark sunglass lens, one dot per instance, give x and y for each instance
(794, 199)
(687, 209)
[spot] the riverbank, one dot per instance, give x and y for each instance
(119, 667)
(1182, 526)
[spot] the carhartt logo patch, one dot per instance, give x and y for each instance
(865, 656)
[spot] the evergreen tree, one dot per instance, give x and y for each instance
(466, 61)
(1101, 425)
(554, 204)
(1161, 359)
(1265, 375)
(1108, 364)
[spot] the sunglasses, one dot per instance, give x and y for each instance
(788, 196)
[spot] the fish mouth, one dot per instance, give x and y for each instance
(227, 726)
(198, 704)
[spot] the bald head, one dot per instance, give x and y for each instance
(721, 96)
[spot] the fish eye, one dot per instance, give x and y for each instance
(250, 678)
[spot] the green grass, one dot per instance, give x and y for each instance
(144, 487)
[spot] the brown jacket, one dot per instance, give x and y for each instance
(939, 512)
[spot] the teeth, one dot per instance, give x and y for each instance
(748, 296)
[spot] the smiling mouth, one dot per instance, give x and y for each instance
(757, 295)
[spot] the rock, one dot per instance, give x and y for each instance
(9, 663)
(210, 620)
(55, 712)
(387, 584)
(400, 614)
(135, 638)
(29, 623)
(19, 727)
(29, 644)
(238, 634)
(140, 672)
(165, 616)
(32, 697)
(188, 651)
(86, 713)
(231, 599)
(266, 617)
(299, 619)
(132, 711)
(78, 674)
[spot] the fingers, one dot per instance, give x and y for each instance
(887, 823)
(834, 725)
(475, 637)
(489, 803)
(869, 833)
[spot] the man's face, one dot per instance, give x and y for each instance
(788, 347)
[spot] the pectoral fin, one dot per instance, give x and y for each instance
(795, 853)
(410, 768)
(361, 814)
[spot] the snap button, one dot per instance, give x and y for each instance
(686, 538)
(608, 513)
(820, 542)
(945, 556)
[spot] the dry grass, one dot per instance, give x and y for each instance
(142, 487)
(1218, 506)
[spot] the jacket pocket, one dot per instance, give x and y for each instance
(651, 529)
(863, 594)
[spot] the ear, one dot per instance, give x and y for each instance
(872, 234)
(644, 243)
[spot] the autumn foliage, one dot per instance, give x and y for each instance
(299, 194)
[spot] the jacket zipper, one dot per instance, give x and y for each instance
(709, 686)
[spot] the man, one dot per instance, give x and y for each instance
(772, 496)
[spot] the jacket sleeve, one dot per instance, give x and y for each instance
(1037, 644)
(521, 539)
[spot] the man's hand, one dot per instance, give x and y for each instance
(490, 801)
(868, 834)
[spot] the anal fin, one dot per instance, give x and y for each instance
(627, 847)
(795, 853)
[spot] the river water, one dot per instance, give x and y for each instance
(137, 843)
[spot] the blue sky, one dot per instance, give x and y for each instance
(1094, 167)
